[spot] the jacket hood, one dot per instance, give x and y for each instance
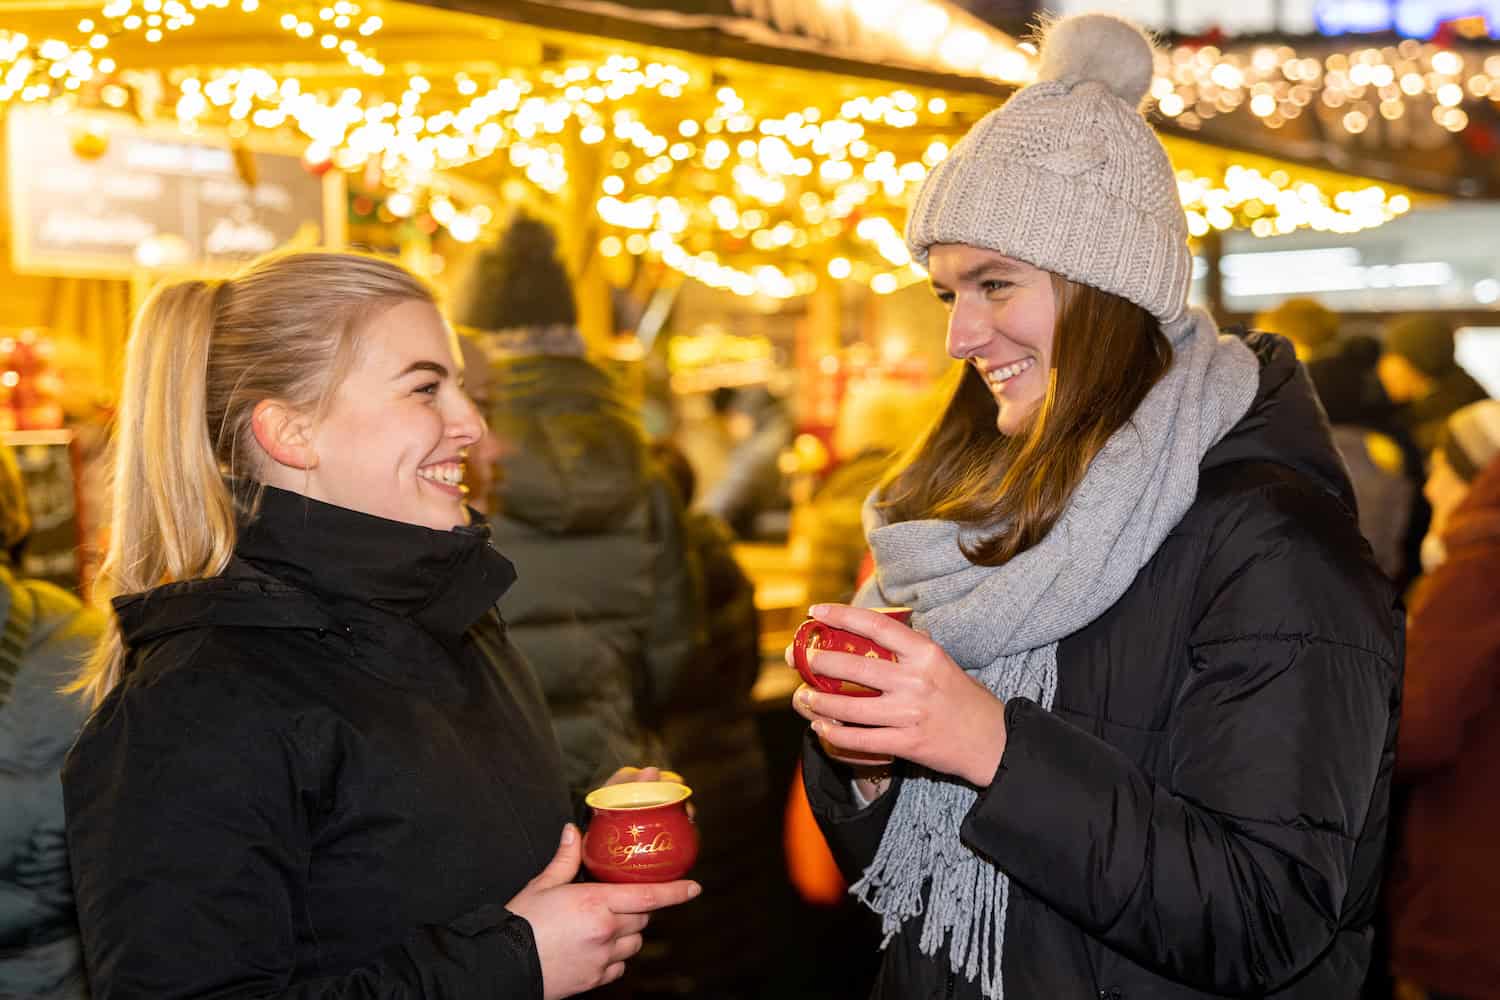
(1285, 423)
(573, 449)
(303, 564)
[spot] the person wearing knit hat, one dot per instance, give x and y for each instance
(1443, 920)
(1422, 377)
(518, 297)
(1469, 442)
(1141, 723)
(573, 490)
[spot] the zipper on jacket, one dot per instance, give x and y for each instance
(950, 991)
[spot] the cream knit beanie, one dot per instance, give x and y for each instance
(1471, 438)
(1068, 176)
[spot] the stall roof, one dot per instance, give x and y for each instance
(931, 43)
(661, 128)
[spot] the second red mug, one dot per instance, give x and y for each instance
(813, 634)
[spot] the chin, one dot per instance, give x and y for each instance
(1015, 418)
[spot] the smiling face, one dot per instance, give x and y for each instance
(394, 439)
(1001, 319)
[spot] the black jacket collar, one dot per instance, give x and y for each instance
(442, 580)
(350, 562)
(1285, 424)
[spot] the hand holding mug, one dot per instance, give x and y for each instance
(585, 932)
(812, 639)
(929, 711)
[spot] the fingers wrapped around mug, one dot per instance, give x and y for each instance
(928, 710)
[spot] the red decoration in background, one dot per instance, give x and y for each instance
(28, 387)
(1481, 140)
(1213, 36)
(317, 167)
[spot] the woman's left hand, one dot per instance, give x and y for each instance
(929, 711)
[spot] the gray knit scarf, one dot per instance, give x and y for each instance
(1002, 625)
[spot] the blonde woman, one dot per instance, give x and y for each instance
(317, 768)
(1144, 722)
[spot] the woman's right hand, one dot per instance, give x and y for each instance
(585, 931)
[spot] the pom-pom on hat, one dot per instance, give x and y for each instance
(1068, 176)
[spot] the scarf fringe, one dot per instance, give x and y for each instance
(922, 869)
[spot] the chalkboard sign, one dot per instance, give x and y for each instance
(100, 194)
(48, 467)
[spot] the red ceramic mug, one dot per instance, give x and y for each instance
(813, 634)
(640, 832)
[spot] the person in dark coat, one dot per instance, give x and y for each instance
(46, 633)
(317, 766)
(751, 496)
(1422, 377)
(1144, 720)
(710, 731)
(1444, 881)
(609, 616)
(1384, 464)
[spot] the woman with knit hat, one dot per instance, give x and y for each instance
(1144, 720)
(1444, 922)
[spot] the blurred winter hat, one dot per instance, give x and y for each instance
(1311, 324)
(516, 297)
(1424, 339)
(1471, 438)
(1068, 176)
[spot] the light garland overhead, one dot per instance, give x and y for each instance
(37, 70)
(1275, 204)
(739, 188)
(1276, 85)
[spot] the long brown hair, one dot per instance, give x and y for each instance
(1107, 353)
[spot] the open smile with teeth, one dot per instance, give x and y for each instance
(450, 474)
(998, 378)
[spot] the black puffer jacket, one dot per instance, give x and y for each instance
(608, 610)
(1204, 810)
(323, 775)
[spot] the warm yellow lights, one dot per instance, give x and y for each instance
(1194, 83)
(733, 187)
(1276, 205)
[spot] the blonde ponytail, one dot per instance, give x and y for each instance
(201, 356)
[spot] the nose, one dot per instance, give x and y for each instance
(465, 423)
(967, 330)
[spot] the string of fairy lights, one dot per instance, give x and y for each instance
(1276, 85)
(725, 185)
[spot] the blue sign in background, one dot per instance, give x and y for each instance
(1412, 18)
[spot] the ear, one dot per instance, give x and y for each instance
(284, 433)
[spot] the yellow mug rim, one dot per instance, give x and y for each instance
(630, 795)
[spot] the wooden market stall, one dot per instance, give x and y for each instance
(764, 149)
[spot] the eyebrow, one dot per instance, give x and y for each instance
(425, 366)
(983, 268)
